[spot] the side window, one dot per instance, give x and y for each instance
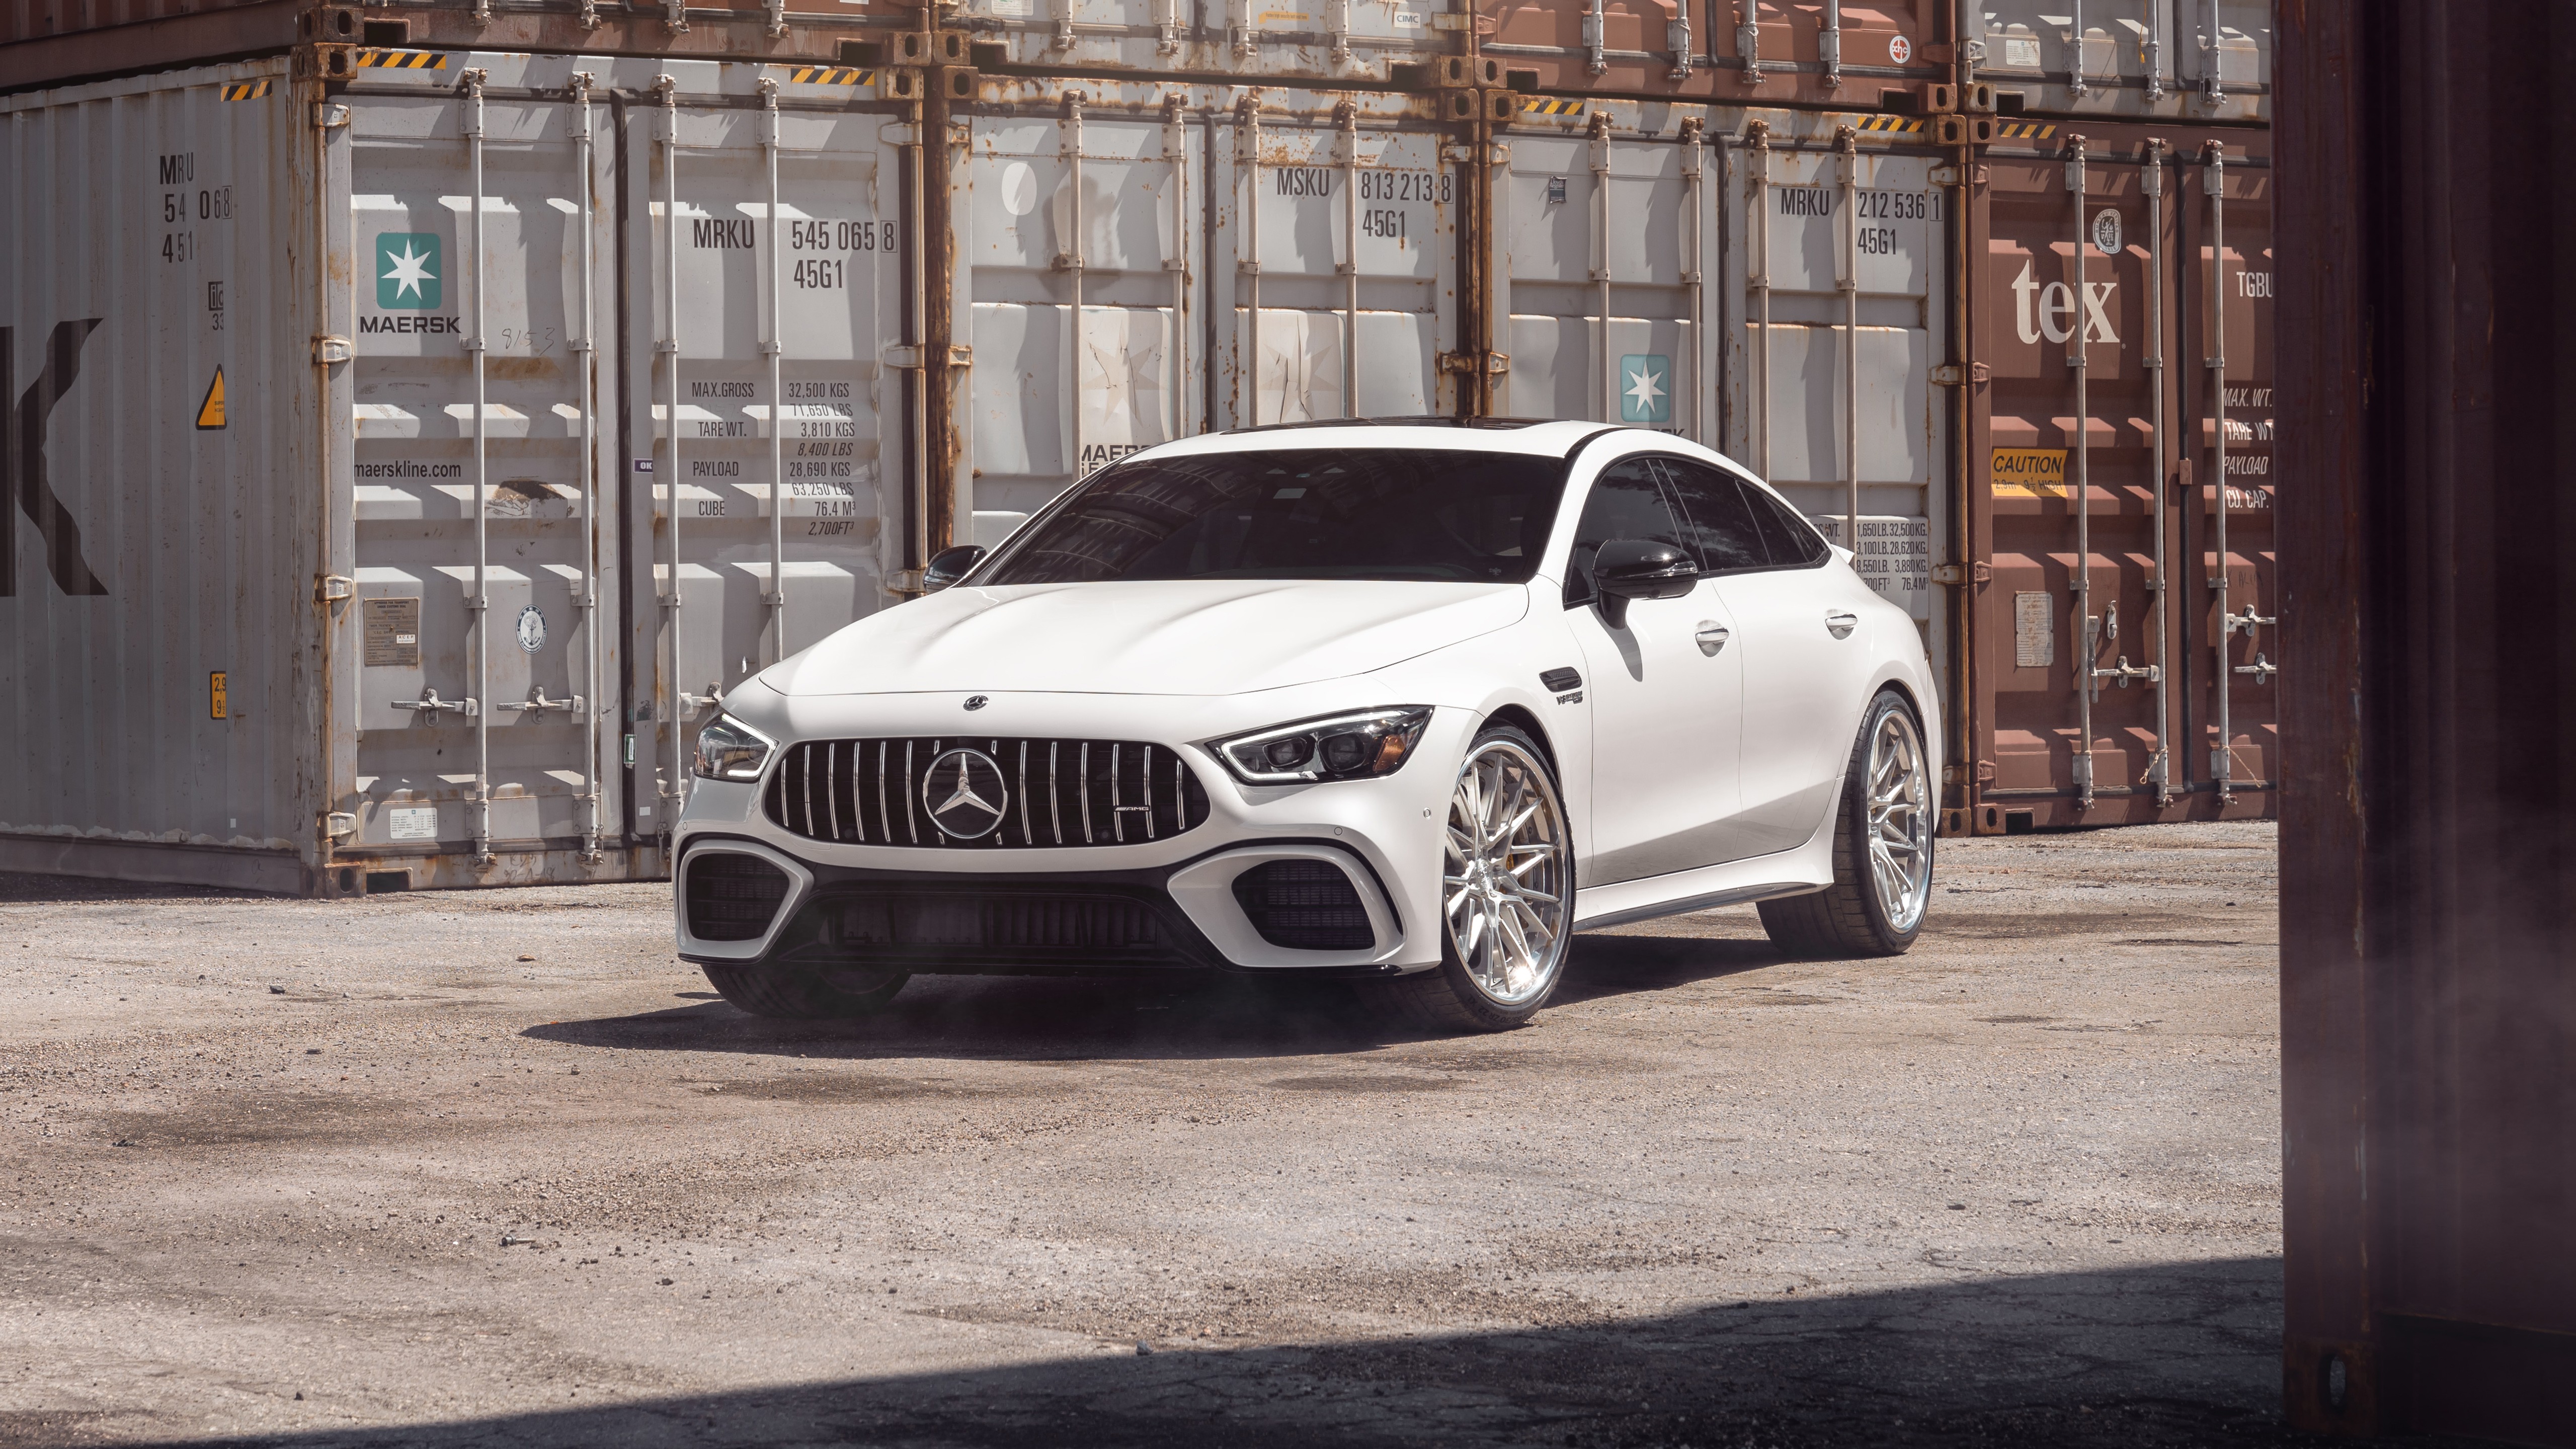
(1715, 517)
(1789, 539)
(1626, 502)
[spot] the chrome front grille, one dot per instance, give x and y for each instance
(1060, 792)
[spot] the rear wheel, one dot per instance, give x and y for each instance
(1882, 849)
(1507, 895)
(806, 993)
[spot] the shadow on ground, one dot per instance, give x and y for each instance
(1175, 1015)
(2168, 1355)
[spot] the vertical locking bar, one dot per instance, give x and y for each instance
(775, 344)
(2152, 181)
(482, 605)
(585, 351)
(1829, 44)
(2088, 646)
(675, 791)
(1847, 162)
(1694, 262)
(1605, 373)
(2211, 88)
(2075, 82)
(1757, 188)
(1176, 261)
(2158, 18)
(1596, 38)
(1346, 116)
(1070, 261)
(2213, 182)
(1247, 251)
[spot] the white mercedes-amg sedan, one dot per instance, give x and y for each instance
(1406, 702)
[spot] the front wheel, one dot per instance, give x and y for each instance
(1506, 890)
(1882, 849)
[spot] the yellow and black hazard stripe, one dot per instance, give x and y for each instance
(402, 60)
(2023, 131)
(830, 75)
(1890, 123)
(245, 90)
(1551, 108)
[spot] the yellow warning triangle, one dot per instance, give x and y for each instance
(210, 413)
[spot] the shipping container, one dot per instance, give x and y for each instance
(1402, 44)
(2120, 416)
(419, 463)
(2186, 60)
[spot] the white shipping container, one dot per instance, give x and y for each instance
(448, 447)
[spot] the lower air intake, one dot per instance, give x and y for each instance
(732, 896)
(1304, 905)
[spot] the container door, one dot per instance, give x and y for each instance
(1600, 247)
(482, 679)
(1074, 282)
(769, 225)
(1336, 263)
(2232, 616)
(1839, 268)
(2083, 652)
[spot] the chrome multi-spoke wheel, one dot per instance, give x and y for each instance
(1882, 848)
(1900, 819)
(1506, 874)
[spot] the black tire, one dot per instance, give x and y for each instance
(1852, 917)
(1447, 1000)
(806, 993)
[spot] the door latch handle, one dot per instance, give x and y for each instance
(1840, 623)
(1711, 637)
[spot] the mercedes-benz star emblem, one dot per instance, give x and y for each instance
(965, 793)
(976, 701)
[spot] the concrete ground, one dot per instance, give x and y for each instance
(495, 1168)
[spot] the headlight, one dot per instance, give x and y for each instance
(1337, 747)
(728, 749)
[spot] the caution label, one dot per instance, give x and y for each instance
(210, 413)
(2029, 472)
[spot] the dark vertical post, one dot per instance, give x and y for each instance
(2427, 355)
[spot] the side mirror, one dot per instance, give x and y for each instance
(949, 565)
(1631, 568)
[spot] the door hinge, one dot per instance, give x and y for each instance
(328, 349)
(1954, 575)
(333, 588)
(1952, 374)
(338, 824)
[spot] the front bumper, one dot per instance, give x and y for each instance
(1177, 903)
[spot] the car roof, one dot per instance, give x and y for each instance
(1529, 437)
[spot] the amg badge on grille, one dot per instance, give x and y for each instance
(965, 793)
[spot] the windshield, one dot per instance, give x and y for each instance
(1438, 515)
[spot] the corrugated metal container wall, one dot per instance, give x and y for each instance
(2182, 60)
(2187, 60)
(1350, 42)
(417, 690)
(1726, 52)
(161, 665)
(2139, 687)
(1683, 268)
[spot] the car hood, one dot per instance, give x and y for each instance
(1185, 637)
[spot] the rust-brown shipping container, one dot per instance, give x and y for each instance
(2119, 384)
(2182, 61)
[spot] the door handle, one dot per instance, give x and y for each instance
(1712, 636)
(1840, 622)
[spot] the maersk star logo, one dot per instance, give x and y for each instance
(407, 271)
(1645, 388)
